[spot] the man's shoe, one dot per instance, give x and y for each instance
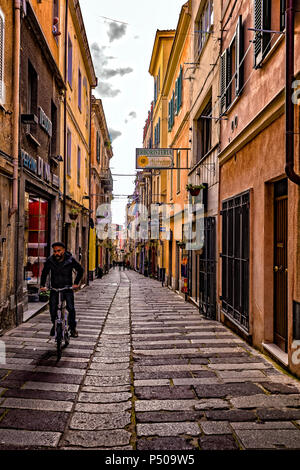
(74, 333)
(52, 332)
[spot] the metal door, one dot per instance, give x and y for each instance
(280, 263)
(207, 270)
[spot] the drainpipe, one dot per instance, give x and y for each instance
(16, 103)
(65, 127)
(289, 113)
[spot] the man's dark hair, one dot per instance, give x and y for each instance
(59, 244)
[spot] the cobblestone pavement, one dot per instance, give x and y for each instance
(147, 372)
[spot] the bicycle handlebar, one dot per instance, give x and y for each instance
(61, 290)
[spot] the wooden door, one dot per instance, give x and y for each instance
(280, 263)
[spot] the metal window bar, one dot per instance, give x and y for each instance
(235, 258)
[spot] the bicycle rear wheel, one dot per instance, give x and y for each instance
(58, 340)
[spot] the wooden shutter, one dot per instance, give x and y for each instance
(70, 61)
(223, 82)
(282, 14)
(180, 86)
(258, 24)
(239, 52)
(1, 57)
(176, 97)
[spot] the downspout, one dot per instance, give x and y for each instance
(289, 112)
(64, 234)
(16, 104)
(90, 197)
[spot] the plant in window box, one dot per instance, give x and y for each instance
(107, 144)
(73, 213)
(181, 244)
(195, 189)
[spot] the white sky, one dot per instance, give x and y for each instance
(131, 51)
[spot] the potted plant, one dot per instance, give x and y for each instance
(181, 244)
(73, 213)
(194, 189)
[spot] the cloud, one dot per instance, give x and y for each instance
(116, 31)
(114, 134)
(106, 90)
(100, 59)
(108, 73)
(131, 115)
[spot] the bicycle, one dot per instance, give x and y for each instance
(61, 322)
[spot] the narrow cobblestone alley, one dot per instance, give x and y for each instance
(147, 372)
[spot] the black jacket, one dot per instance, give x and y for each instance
(61, 272)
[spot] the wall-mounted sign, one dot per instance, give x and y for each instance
(154, 159)
(40, 168)
(45, 122)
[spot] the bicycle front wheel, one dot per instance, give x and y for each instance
(58, 340)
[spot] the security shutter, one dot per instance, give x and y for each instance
(1, 57)
(239, 52)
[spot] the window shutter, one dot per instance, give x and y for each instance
(258, 24)
(1, 57)
(180, 86)
(282, 14)
(70, 61)
(223, 82)
(176, 97)
(239, 51)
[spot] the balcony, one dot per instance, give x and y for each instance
(106, 179)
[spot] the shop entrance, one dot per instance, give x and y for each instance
(36, 242)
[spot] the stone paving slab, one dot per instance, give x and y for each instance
(58, 387)
(99, 422)
(273, 439)
(92, 439)
(21, 438)
(168, 429)
(29, 404)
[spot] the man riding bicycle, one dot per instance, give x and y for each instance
(60, 266)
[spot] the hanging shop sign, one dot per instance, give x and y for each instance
(154, 159)
(40, 168)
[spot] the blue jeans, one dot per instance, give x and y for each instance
(68, 296)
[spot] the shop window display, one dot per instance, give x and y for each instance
(36, 242)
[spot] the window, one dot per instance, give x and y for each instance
(79, 89)
(70, 61)
(266, 18)
(55, 28)
(178, 162)
(53, 142)
(235, 258)
(2, 88)
(86, 101)
(78, 165)
(203, 26)
(98, 146)
(171, 184)
(158, 83)
(69, 151)
(204, 131)
(32, 95)
(232, 68)
(157, 134)
(176, 101)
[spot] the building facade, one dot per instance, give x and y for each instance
(101, 186)
(9, 122)
(259, 204)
